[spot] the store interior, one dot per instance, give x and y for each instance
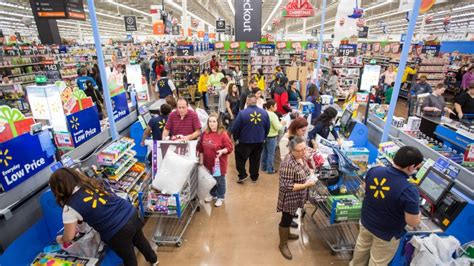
(98, 86)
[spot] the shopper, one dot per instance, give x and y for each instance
(145, 68)
(171, 101)
(183, 124)
(281, 97)
(324, 125)
(160, 67)
(390, 203)
(468, 78)
(268, 155)
(333, 84)
(294, 96)
(214, 80)
(464, 103)
(293, 190)
(351, 101)
(388, 93)
(214, 64)
(232, 102)
(191, 82)
(215, 145)
(260, 100)
(222, 108)
(260, 78)
(202, 87)
(389, 76)
(165, 86)
(238, 77)
(246, 92)
(152, 70)
(96, 97)
(298, 128)
(408, 72)
(422, 86)
(434, 104)
(89, 200)
(250, 129)
(95, 74)
(83, 78)
(157, 124)
(314, 98)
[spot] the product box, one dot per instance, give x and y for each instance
(469, 155)
(327, 99)
(413, 123)
(398, 121)
(362, 97)
(360, 157)
(348, 207)
(306, 107)
(13, 123)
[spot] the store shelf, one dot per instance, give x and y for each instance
(22, 65)
(69, 77)
(135, 182)
(119, 157)
(26, 74)
(421, 71)
(124, 169)
(69, 65)
(423, 64)
(27, 82)
(29, 56)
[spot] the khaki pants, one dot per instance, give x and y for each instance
(371, 250)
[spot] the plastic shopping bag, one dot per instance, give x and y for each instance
(205, 182)
(88, 244)
(216, 170)
(173, 173)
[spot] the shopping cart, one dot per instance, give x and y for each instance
(337, 212)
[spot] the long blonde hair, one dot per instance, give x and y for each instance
(220, 125)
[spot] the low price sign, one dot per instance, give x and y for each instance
(120, 106)
(266, 50)
(185, 50)
(83, 125)
(348, 50)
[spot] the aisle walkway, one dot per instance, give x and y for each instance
(244, 231)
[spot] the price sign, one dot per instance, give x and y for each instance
(431, 50)
(348, 50)
(185, 50)
(266, 50)
(10, 51)
(26, 50)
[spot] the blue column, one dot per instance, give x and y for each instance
(103, 75)
(320, 45)
(401, 69)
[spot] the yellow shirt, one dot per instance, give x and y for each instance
(260, 82)
(408, 71)
(202, 84)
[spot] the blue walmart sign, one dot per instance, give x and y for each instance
(23, 157)
(83, 125)
(120, 106)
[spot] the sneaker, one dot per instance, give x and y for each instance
(156, 263)
(241, 181)
(209, 199)
(254, 181)
(219, 202)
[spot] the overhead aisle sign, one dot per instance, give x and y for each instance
(50, 8)
(75, 9)
(130, 23)
(248, 20)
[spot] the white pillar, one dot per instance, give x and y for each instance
(185, 20)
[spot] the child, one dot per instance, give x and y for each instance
(388, 93)
(215, 145)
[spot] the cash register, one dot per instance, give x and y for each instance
(353, 130)
(438, 200)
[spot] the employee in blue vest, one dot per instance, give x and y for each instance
(84, 199)
(83, 78)
(390, 203)
(250, 129)
(164, 85)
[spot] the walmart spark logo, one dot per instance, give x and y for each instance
(162, 83)
(74, 123)
(162, 124)
(255, 117)
(4, 157)
(94, 198)
(379, 188)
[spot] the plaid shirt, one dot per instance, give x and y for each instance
(292, 172)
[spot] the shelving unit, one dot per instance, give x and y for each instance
(13, 95)
(109, 163)
(119, 173)
(285, 57)
(236, 58)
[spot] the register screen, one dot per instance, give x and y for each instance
(433, 185)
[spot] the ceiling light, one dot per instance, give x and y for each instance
(231, 6)
(175, 5)
(315, 26)
(377, 5)
(275, 9)
(129, 8)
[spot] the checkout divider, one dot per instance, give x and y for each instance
(29, 200)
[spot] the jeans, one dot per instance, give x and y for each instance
(268, 154)
(205, 99)
(219, 189)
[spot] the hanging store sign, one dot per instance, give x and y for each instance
(185, 50)
(248, 20)
(347, 50)
(75, 9)
(228, 29)
(120, 106)
(298, 9)
(83, 125)
(266, 50)
(17, 166)
(49, 8)
(314, 32)
(431, 50)
(130, 23)
(370, 77)
(250, 45)
(234, 45)
(220, 25)
(364, 33)
(175, 30)
(219, 45)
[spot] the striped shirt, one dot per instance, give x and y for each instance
(183, 126)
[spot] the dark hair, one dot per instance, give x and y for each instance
(313, 91)
(64, 180)
(423, 77)
(270, 103)
(252, 81)
(165, 109)
(292, 82)
(89, 84)
(297, 123)
(260, 72)
(82, 71)
(255, 90)
(392, 84)
(229, 90)
(213, 57)
(471, 68)
(334, 72)
(163, 73)
(407, 156)
(171, 101)
(205, 70)
(327, 116)
(224, 80)
(283, 81)
(251, 95)
(440, 86)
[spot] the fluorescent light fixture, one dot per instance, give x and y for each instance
(315, 26)
(175, 5)
(378, 5)
(231, 6)
(275, 9)
(129, 8)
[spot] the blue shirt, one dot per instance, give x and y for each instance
(157, 124)
(317, 106)
(388, 195)
(251, 125)
(321, 129)
(164, 88)
(107, 214)
(81, 82)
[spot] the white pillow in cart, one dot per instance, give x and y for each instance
(173, 173)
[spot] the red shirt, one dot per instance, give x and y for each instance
(209, 144)
(214, 64)
(281, 101)
(183, 126)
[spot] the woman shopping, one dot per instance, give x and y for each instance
(214, 147)
(314, 98)
(232, 102)
(215, 80)
(297, 128)
(269, 147)
(260, 78)
(389, 77)
(239, 77)
(202, 87)
(293, 190)
(86, 199)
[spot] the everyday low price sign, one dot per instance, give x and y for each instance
(266, 50)
(120, 106)
(23, 157)
(348, 50)
(83, 125)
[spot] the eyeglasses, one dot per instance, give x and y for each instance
(302, 150)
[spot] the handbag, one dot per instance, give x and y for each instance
(86, 244)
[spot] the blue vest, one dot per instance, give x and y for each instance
(164, 88)
(251, 125)
(81, 82)
(383, 214)
(107, 214)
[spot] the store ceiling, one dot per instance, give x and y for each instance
(111, 12)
